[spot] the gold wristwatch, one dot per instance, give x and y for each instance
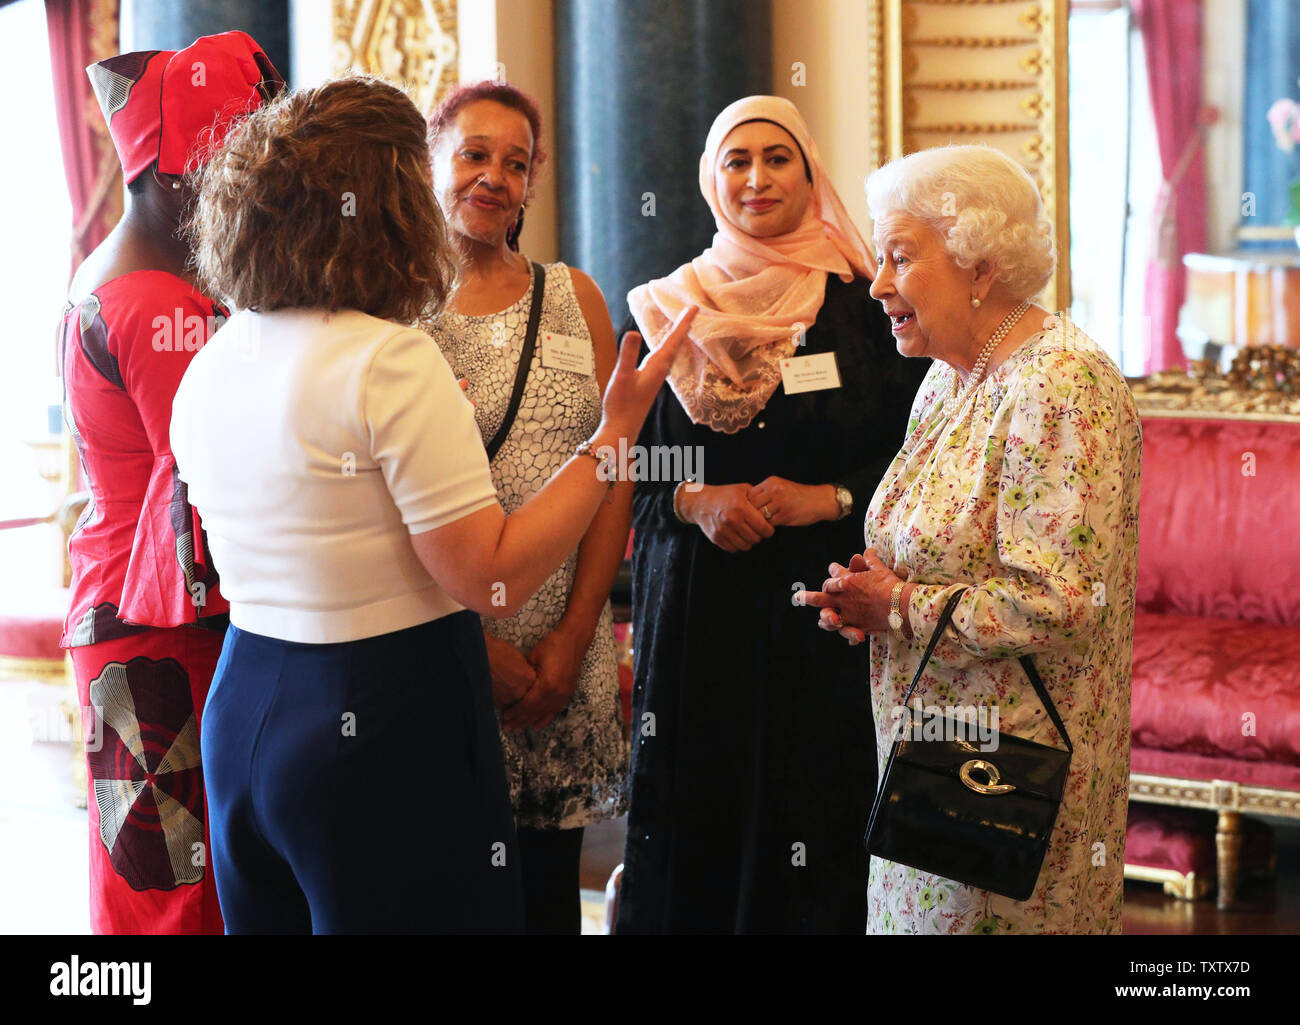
(896, 613)
(845, 499)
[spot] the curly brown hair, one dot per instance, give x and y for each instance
(324, 198)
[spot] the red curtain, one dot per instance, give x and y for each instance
(82, 32)
(1171, 35)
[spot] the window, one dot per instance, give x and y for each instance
(34, 265)
(1114, 178)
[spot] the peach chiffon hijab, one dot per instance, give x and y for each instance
(756, 295)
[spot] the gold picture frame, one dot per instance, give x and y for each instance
(988, 71)
(408, 41)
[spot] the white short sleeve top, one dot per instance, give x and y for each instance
(314, 444)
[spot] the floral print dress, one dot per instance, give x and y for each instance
(1027, 494)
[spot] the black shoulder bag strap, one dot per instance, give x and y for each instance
(525, 362)
(1026, 663)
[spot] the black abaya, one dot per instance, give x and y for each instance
(753, 753)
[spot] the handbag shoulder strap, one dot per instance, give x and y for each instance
(525, 362)
(945, 617)
(1026, 663)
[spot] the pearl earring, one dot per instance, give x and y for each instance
(974, 302)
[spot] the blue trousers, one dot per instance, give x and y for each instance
(360, 787)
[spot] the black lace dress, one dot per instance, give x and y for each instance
(752, 783)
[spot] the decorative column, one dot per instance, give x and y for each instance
(174, 24)
(638, 83)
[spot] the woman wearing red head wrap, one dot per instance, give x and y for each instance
(146, 618)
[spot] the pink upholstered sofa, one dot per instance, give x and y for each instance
(1216, 655)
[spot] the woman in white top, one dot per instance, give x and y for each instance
(554, 665)
(355, 777)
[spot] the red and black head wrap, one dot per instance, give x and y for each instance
(176, 106)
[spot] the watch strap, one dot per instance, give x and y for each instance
(845, 507)
(895, 609)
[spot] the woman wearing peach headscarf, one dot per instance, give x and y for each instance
(753, 764)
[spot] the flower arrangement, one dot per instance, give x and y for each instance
(1284, 119)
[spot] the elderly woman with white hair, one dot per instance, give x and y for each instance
(1017, 488)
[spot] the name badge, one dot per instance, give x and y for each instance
(565, 352)
(809, 373)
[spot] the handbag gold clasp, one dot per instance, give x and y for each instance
(991, 771)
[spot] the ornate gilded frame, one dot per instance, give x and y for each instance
(990, 71)
(408, 41)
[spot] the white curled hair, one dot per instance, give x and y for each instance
(984, 205)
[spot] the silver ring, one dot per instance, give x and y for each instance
(767, 513)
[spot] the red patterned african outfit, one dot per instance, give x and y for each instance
(146, 618)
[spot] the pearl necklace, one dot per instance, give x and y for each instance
(977, 371)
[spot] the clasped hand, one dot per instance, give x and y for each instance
(854, 599)
(735, 517)
(531, 688)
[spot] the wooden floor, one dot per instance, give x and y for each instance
(1267, 906)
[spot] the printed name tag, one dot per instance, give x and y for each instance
(809, 373)
(565, 352)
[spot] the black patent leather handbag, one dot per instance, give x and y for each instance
(983, 818)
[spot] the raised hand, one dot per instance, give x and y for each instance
(632, 389)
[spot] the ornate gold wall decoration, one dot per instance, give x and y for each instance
(973, 85)
(990, 71)
(881, 52)
(1033, 105)
(973, 42)
(408, 41)
(980, 128)
(1034, 20)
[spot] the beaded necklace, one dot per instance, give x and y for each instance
(977, 371)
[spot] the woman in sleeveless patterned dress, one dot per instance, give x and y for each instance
(554, 672)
